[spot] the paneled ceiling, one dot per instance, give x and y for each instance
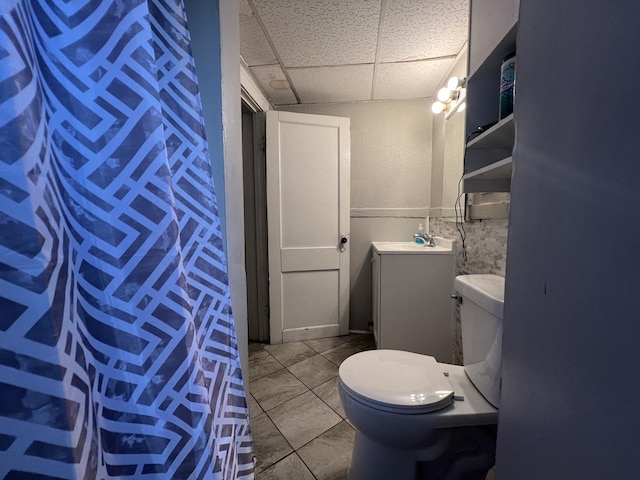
(324, 51)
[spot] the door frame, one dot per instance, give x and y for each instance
(255, 198)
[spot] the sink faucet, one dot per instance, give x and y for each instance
(427, 237)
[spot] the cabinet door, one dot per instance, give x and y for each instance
(416, 311)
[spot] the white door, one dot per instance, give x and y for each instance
(308, 165)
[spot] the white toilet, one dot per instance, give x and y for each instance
(419, 419)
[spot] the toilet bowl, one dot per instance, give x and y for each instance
(419, 419)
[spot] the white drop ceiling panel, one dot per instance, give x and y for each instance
(274, 84)
(254, 46)
(416, 30)
(322, 32)
(245, 9)
(407, 44)
(396, 81)
(333, 84)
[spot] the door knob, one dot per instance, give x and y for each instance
(343, 242)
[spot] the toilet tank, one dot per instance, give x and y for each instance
(481, 320)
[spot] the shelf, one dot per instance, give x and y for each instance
(483, 85)
(491, 146)
(492, 178)
(501, 135)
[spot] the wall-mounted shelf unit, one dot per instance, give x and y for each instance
(492, 38)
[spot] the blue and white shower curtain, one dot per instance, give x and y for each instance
(118, 357)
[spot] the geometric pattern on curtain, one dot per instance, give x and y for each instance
(118, 356)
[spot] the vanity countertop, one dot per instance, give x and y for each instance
(443, 246)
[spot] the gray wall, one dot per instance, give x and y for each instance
(390, 151)
(215, 36)
(390, 181)
(571, 331)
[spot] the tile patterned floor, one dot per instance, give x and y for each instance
(299, 428)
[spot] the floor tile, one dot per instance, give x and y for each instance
(338, 354)
(314, 371)
(269, 445)
(262, 353)
(289, 353)
(363, 340)
(261, 364)
(328, 393)
(303, 418)
(255, 347)
(341, 353)
(276, 388)
(328, 456)
(323, 344)
(289, 468)
(254, 407)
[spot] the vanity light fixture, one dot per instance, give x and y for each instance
(439, 107)
(456, 82)
(444, 94)
(450, 98)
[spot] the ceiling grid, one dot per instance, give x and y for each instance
(326, 51)
(383, 8)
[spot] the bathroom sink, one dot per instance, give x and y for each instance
(443, 246)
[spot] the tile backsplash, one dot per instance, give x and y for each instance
(486, 243)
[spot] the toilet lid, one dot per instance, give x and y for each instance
(404, 381)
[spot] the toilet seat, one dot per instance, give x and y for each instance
(396, 381)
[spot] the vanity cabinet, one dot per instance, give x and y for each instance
(492, 37)
(412, 306)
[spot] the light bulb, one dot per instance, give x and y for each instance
(443, 94)
(453, 83)
(437, 107)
